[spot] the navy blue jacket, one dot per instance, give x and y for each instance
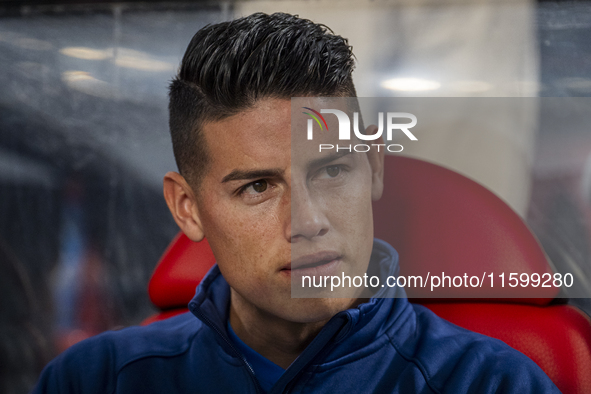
(386, 345)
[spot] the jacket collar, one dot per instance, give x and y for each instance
(358, 326)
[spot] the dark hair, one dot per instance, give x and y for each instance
(229, 66)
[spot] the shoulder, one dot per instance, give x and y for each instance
(454, 359)
(92, 365)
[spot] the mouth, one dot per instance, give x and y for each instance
(320, 263)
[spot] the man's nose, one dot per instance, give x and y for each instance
(308, 219)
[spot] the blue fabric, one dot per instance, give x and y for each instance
(386, 345)
(266, 371)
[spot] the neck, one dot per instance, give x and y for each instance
(276, 339)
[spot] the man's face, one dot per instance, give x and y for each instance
(267, 211)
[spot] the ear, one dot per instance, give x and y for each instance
(181, 201)
(376, 161)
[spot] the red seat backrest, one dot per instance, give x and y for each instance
(439, 220)
(556, 337)
(180, 269)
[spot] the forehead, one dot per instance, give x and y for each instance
(253, 138)
(311, 128)
(266, 136)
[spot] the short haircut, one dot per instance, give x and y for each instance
(229, 66)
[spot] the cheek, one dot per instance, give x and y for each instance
(246, 242)
(352, 207)
(352, 222)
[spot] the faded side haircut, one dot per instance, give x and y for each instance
(229, 66)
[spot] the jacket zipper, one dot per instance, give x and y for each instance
(236, 352)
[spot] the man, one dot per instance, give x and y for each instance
(274, 209)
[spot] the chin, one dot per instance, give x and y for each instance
(313, 310)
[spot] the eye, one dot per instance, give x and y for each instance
(260, 186)
(333, 171)
(255, 187)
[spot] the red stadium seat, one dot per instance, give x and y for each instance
(439, 221)
(179, 271)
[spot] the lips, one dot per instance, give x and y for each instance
(313, 264)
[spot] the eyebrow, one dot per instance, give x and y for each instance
(240, 175)
(327, 159)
